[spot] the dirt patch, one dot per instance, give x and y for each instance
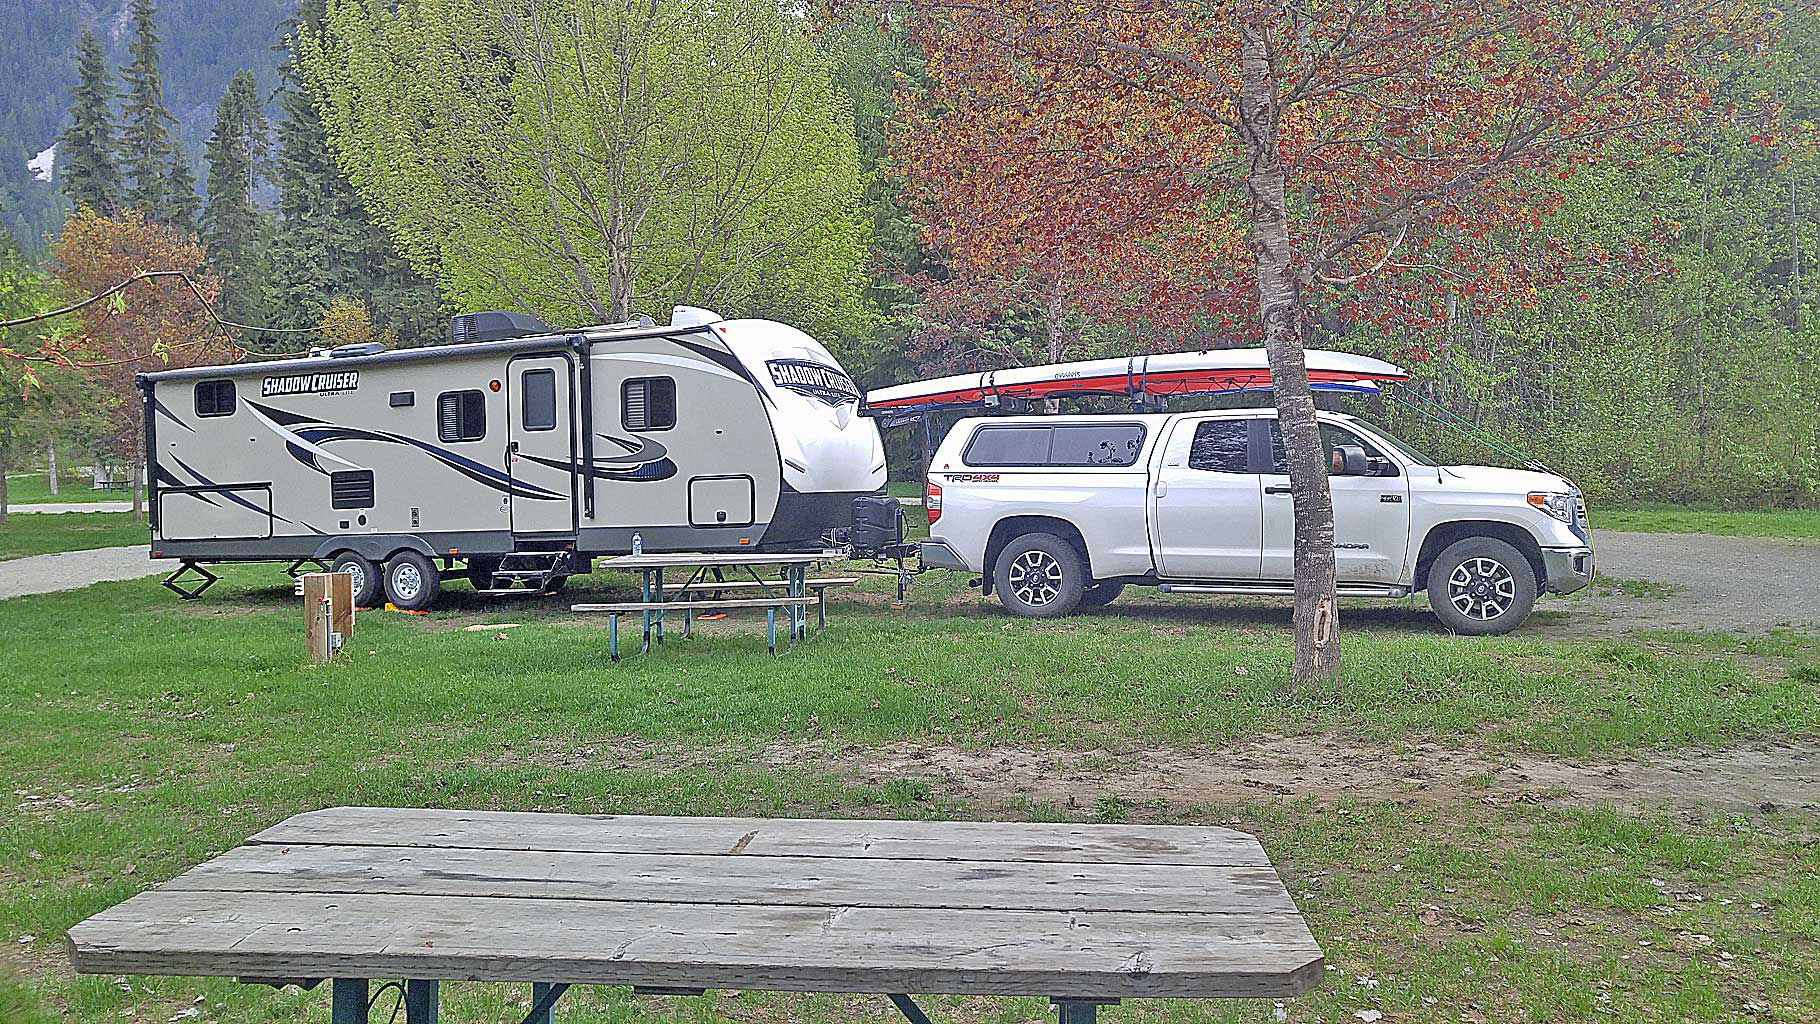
(1325, 768)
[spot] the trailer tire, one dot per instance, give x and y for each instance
(1101, 594)
(1039, 576)
(412, 581)
(368, 576)
(1481, 586)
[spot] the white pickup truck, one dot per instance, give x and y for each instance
(1055, 512)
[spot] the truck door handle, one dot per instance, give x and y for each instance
(1277, 489)
(1162, 488)
(511, 447)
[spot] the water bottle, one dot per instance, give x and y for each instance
(638, 544)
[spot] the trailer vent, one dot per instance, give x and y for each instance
(352, 489)
(495, 325)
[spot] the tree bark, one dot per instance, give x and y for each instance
(1317, 637)
(50, 455)
(3, 497)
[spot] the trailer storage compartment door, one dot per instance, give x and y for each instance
(720, 501)
(221, 512)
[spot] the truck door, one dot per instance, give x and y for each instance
(1206, 507)
(1370, 516)
(540, 445)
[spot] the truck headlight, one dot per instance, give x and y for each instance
(1559, 504)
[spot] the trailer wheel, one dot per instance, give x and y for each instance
(1481, 586)
(1101, 594)
(412, 582)
(1039, 576)
(367, 576)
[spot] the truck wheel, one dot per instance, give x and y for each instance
(412, 581)
(1039, 576)
(1101, 594)
(366, 573)
(1481, 586)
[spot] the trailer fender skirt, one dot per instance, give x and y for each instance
(375, 546)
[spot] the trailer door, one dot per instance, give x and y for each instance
(540, 446)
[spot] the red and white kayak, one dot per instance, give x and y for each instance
(1176, 373)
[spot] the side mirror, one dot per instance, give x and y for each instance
(1350, 460)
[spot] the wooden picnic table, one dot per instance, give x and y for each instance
(655, 600)
(1083, 914)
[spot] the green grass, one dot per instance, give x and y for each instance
(1794, 523)
(143, 735)
(37, 533)
(35, 488)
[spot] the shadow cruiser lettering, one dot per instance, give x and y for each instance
(814, 380)
(310, 384)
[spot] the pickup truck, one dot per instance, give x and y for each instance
(1060, 512)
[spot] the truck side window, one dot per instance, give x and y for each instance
(1090, 444)
(1219, 447)
(1008, 446)
(537, 398)
(1331, 434)
(215, 398)
(648, 403)
(461, 415)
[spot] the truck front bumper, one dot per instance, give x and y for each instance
(1567, 569)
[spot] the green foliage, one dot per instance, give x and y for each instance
(234, 230)
(149, 156)
(86, 167)
(588, 159)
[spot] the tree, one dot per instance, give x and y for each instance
(86, 167)
(1347, 159)
(349, 322)
(155, 325)
(234, 229)
(180, 190)
(148, 153)
(585, 158)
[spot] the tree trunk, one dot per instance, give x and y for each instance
(137, 469)
(3, 498)
(50, 456)
(1317, 638)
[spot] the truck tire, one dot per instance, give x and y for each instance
(1481, 586)
(367, 576)
(412, 581)
(1101, 594)
(1039, 576)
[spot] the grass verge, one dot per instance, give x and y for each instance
(38, 533)
(1792, 523)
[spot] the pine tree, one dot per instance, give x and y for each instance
(233, 227)
(86, 166)
(146, 147)
(180, 188)
(329, 246)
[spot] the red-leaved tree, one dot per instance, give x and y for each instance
(1258, 160)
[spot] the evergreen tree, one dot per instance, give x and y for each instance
(330, 247)
(180, 188)
(233, 226)
(147, 149)
(86, 166)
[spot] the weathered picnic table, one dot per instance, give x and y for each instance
(1083, 914)
(789, 594)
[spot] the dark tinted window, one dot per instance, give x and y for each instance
(1219, 447)
(215, 398)
(461, 415)
(1008, 446)
(537, 393)
(648, 403)
(1090, 444)
(1331, 435)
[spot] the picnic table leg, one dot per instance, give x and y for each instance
(348, 1001)
(613, 635)
(771, 630)
(660, 612)
(821, 610)
(1077, 1011)
(644, 592)
(420, 998)
(541, 997)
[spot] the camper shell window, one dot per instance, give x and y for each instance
(648, 403)
(461, 415)
(1067, 444)
(537, 395)
(215, 398)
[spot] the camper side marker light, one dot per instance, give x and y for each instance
(493, 384)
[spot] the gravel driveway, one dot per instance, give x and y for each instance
(72, 570)
(1724, 583)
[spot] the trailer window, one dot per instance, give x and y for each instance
(537, 394)
(461, 415)
(1220, 447)
(648, 403)
(215, 398)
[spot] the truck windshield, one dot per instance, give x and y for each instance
(1402, 447)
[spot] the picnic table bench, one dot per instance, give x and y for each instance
(789, 594)
(1085, 915)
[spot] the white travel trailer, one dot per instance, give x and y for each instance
(519, 451)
